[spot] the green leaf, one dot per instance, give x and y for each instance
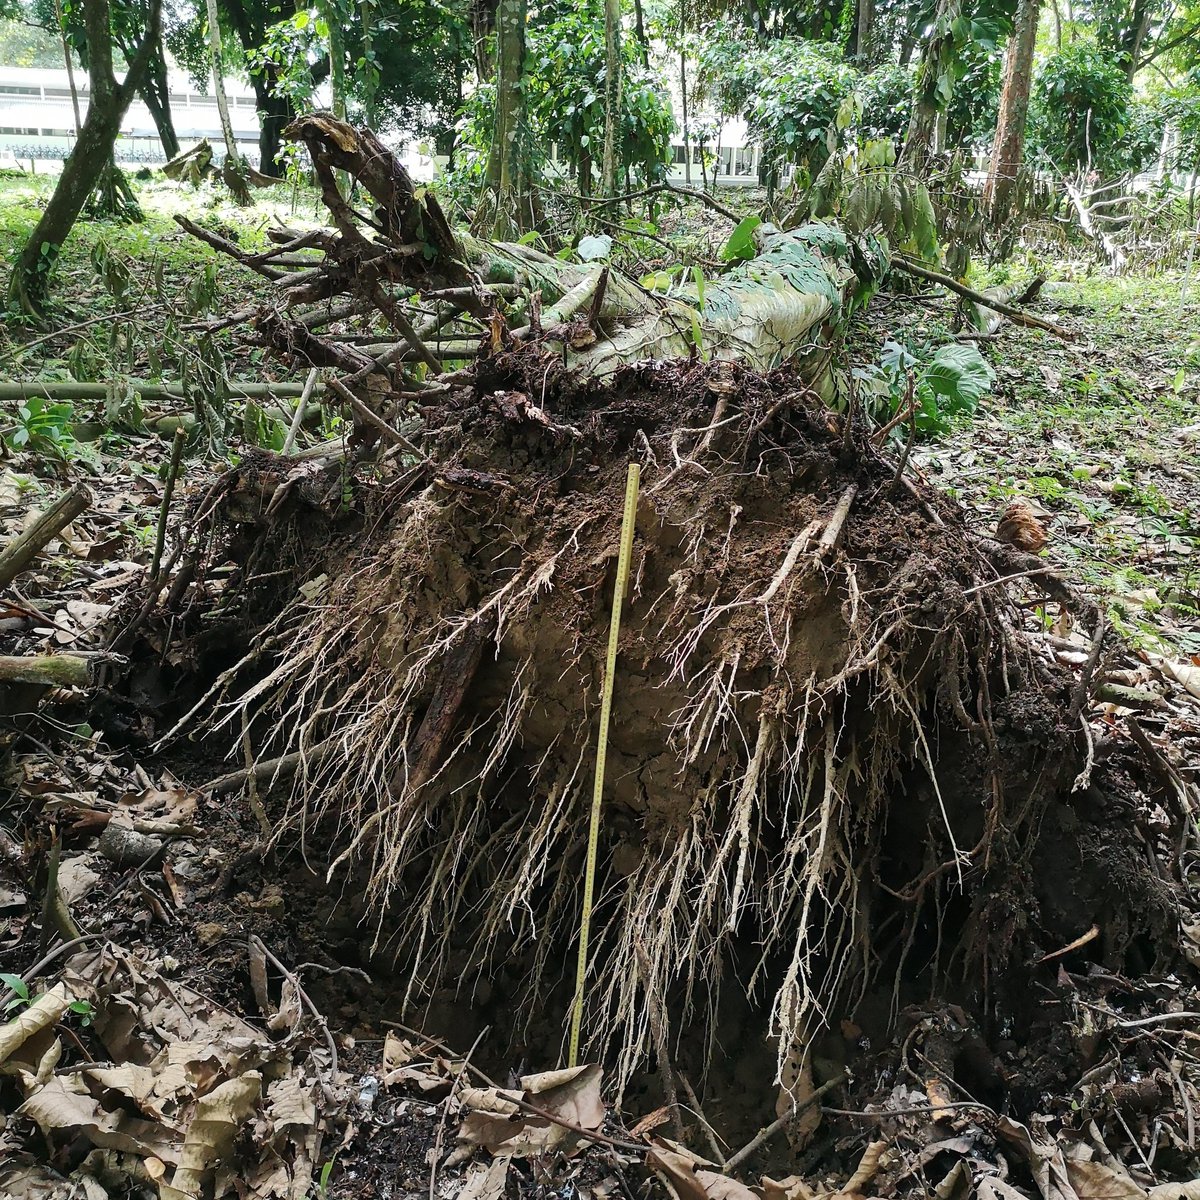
(594, 246)
(740, 246)
(15, 984)
(924, 224)
(698, 337)
(959, 374)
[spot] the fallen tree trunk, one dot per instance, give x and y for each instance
(785, 306)
(54, 670)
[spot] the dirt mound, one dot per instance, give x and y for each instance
(842, 776)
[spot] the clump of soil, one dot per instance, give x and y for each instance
(840, 778)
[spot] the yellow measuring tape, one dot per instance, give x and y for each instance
(610, 669)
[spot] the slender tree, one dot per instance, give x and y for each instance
(108, 102)
(683, 93)
(1009, 145)
(509, 207)
(610, 164)
(234, 171)
(68, 60)
(930, 94)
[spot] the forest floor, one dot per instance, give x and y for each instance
(1102, 434)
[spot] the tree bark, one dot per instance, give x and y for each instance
(234, 171)
(612, 97)
(274, 110)
(639, 28)
(864, 21)
(366, 16)
(1136, 35)
(29, 285)
(509, 207)
(155, 92)
(928, 101)
(483, 26)
(1009, 145)
(683, 99)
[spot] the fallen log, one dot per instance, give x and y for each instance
(1016, 315)
(25, 547)
(53, 670)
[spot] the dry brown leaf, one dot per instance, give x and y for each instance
(572, 1094)
(45, 1011)
(1184, 673)
(660, 1116)
(1176, 1191)
(988, 1188)
(209, 1140)
(290, 1104)
(792, 1187)
(1095, 1181)
(690, 1181)
(723, 1187)
(57, 1108)
(1044, 1158)
(868, 1166)
(397, 1052)
(678, 1169)
(485, 1182)
(33, 1182)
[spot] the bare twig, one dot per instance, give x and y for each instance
(160, 537)
(435, 1158)
(298, 416)
(1017, 315)
(764, 1135)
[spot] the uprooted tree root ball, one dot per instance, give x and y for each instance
(837, 768)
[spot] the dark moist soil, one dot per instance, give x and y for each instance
(953, 975)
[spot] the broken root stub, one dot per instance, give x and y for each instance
(837, 779)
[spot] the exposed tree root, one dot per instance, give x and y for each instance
(831, 758)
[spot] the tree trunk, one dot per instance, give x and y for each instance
(274, 113)
(1136, 35)
(483, 26)
(234, 172)
(29, 285)
(612, 97)
(639, 28)
(683, 98)
(864, 20)
(928, 98)
(366, 12)
(155, 92)
(509, 206)
(1008, 147)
